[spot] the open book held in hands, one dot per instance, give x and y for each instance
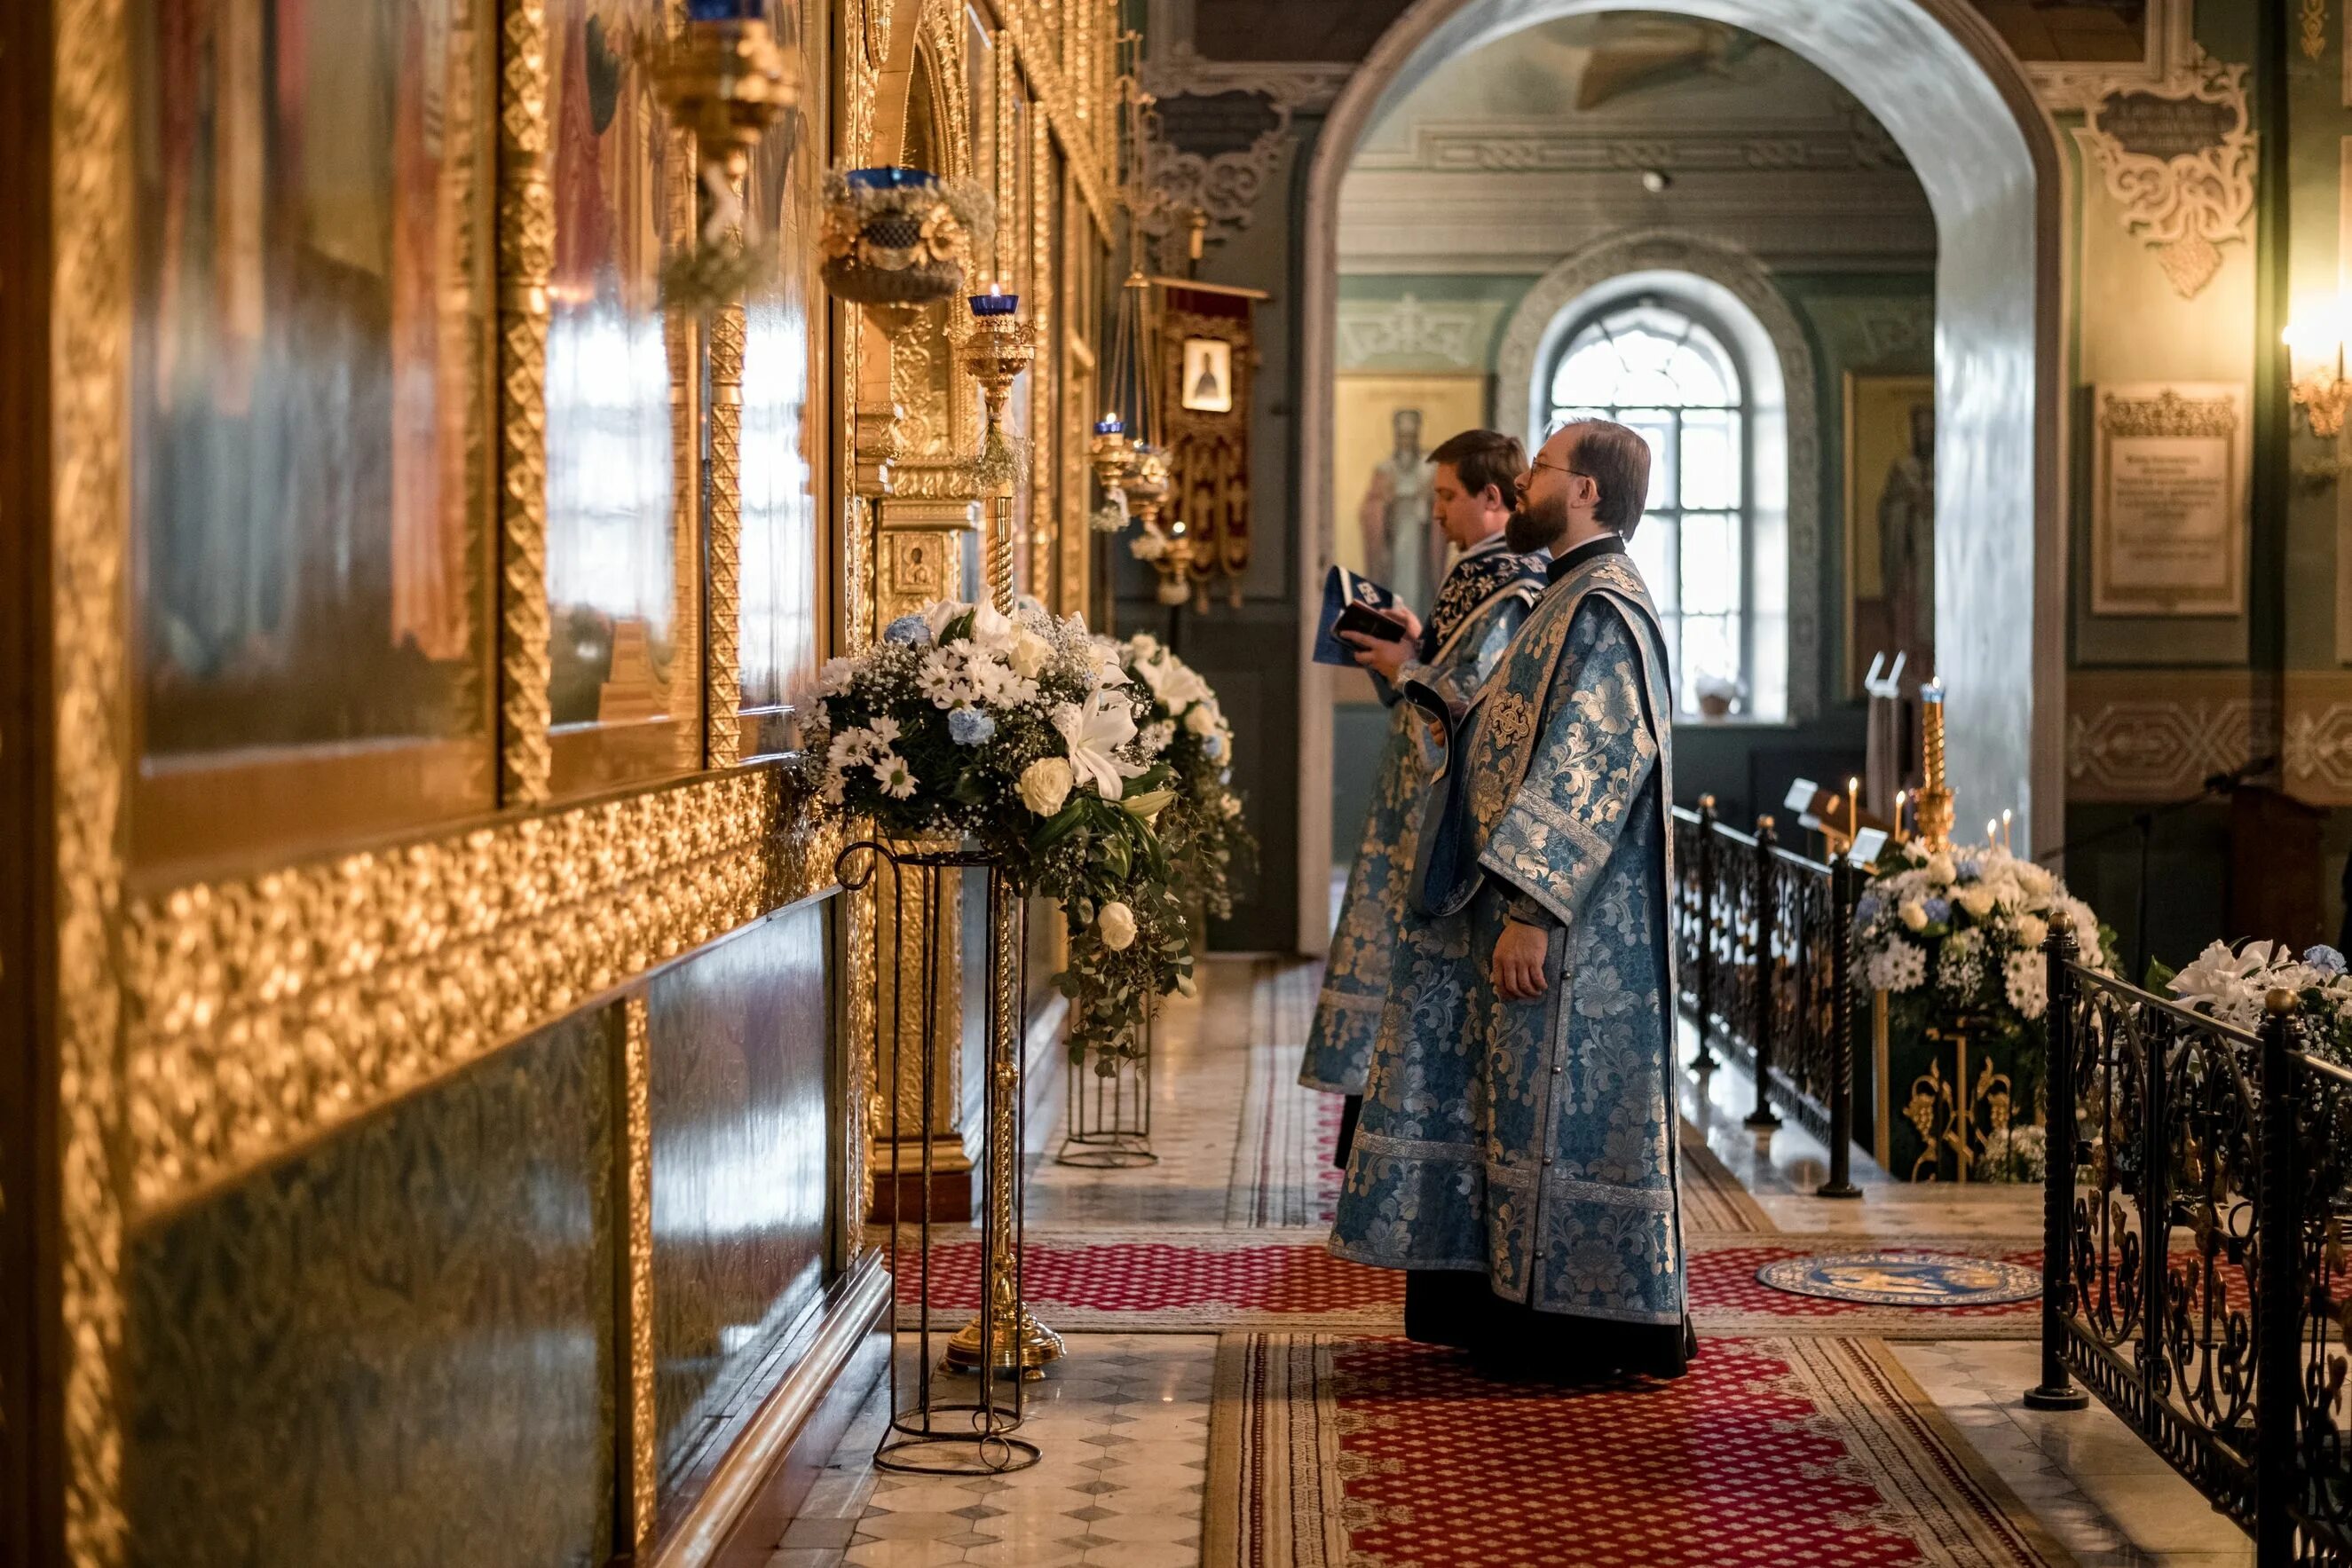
(1351, 604)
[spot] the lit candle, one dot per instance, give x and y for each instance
(995, 302)
(2006, 842)
(1853, 806)
(1110, 423)
(1899, 835)
(1992, 835)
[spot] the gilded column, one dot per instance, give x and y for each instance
(526, 261)
(682, 340)
(722, 687)
(90, 367)
(637, 1151)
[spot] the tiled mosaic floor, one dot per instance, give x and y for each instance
(1124, 1418)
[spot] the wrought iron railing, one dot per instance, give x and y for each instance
(2193, 1252)
(1763, 936)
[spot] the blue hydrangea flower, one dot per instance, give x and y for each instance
(912, 629)
(1215, 746)
(1868, 907)
(2324, 959)
(1938, 909)
(1967, 868)
(968, 725)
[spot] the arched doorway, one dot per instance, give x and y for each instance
(1940, 81)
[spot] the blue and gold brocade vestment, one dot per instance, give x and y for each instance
(1536, 1141)
(1484, 601)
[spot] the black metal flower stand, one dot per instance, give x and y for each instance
(928, 1434)
(1108, 1121)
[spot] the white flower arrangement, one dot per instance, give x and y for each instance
(1020, 732)
(2232, 986)
(1966, 925)
(1187, 731)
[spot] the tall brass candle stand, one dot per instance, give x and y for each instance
(1005, 1337)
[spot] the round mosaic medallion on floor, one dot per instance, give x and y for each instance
(1902, 1279)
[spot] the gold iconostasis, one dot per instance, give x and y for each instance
(457, 1145)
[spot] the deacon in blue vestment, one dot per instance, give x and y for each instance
(1481, 603)
(1516, 1149)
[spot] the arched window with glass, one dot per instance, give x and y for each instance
(1657, 366)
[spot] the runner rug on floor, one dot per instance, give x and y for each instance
(1283, 1176)
(1185, 1281)
(1330, 1452)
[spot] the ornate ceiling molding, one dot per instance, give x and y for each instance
(1530, 332)
(1406, 327)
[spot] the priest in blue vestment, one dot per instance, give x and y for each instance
(1481, 603)
(1516, 1149)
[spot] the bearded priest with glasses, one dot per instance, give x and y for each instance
(1481, 603)
(1517, 1151)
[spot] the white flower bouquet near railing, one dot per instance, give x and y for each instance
(1955, 939)
(2232, 986)
(1964, 927)
(1207, 842)
(1020, 733)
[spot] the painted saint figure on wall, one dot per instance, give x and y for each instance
(1400, 549)
(1907, 544)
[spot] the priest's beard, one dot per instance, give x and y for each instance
(1536, 527)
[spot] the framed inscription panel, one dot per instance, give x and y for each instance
(309, 397)
(2168, 498)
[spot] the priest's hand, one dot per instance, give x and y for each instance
(1384, 658)
(1520, 955)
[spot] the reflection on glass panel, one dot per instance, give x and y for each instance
(781, 597)
(308, 409)
(1710, 458)
(1711, 564)
(610, 557)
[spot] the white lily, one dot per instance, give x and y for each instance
(1094, 730)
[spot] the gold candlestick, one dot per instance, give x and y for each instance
(1935, 799)
(999, 348)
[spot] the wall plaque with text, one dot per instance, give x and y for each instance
(2170, 498)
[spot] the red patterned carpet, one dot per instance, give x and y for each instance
(1352, 1453)
(1180, 1282)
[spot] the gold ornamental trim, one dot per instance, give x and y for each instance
(89, 530)
(638, 1149)
(723, 550)
(267, 1011)
(526, 264)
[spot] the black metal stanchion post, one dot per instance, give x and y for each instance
(1705, 1060)
(2057, 1390)
(1842, 877)
(2278, 1300)
(1763, 1118)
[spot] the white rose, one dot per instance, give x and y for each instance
(1117, 923)
(1939, 870)
(1231, 805)
(1201, 719)
(1029, 654)
(1977, 900)
(2032, 930)
(1913, 913)
(1045, 784)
